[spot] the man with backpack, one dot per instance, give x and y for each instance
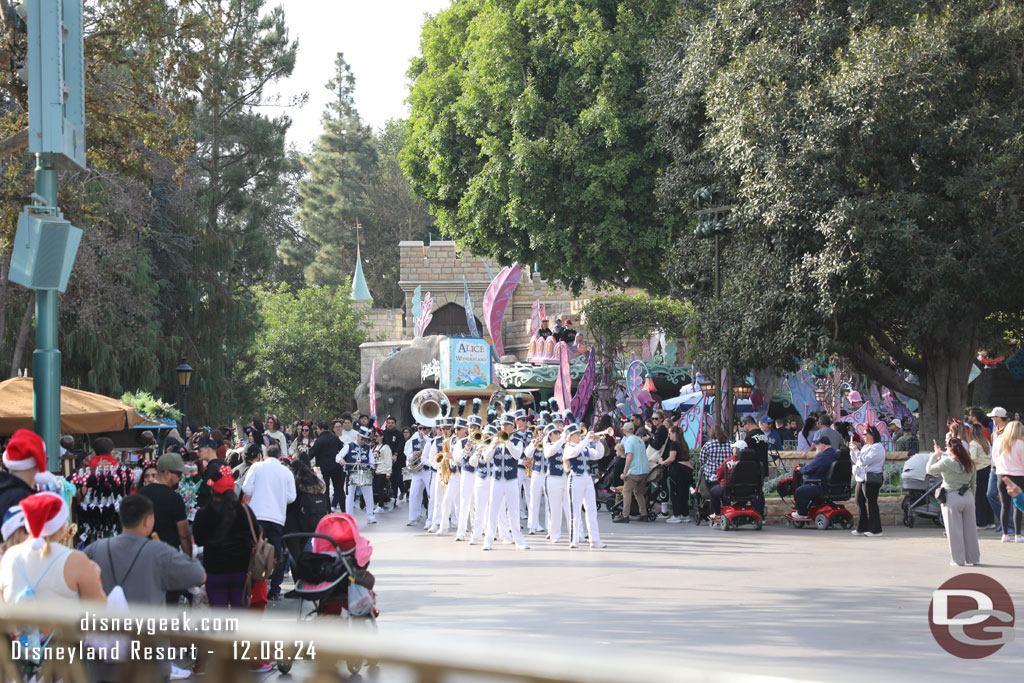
(270, 486)
(144, 569)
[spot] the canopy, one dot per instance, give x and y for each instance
(81, 412)
(688, 400)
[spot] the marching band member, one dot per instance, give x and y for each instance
(535, 450)
(579, 453)
(481, 487)
(453, 492)
(415, 461)
(523, 434)
(504, 455)
(357, 457)
(554, 488)
(435, 447)
(467, 481)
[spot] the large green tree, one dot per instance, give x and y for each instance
(529, 135)
(873, 157)
(306, 358)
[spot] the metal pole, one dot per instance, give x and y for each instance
(184, 409)
(721, 414)
(46, 357)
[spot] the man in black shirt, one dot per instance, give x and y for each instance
(170, 519)
(757, 441)
(568, 334)
(394, 440)
(544, 330)
(323, 453)
(210, 465)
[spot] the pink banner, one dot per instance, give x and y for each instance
(496, 300)
(645, 348)
(563, 382)
(425, 315)
(535, 317)
(373, 388)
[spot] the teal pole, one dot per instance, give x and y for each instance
(46, 357)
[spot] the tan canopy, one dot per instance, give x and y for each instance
(80, 411)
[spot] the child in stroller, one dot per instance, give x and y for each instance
(657, 493)
(333, 574)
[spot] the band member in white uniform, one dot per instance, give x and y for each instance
(554, 486)
(453, 492)
(535, 450)
(416, 462)
(437, 490)
(504, 457)
(523, 434)
(357, 458)
(580, 453)
(482, 485)
(468, 479)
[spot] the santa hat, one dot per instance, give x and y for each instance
(45, 514)
(26, 450)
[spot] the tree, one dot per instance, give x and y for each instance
(615, 318)
(529, 137)
(872, 153)
(306, 359)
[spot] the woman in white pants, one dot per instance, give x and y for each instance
(554, 486)
(580, 453)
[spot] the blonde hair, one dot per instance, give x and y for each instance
(978, 434)
(1014, 432)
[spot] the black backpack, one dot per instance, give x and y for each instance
(312, 508)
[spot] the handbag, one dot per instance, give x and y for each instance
(874, 477)
(261, 560)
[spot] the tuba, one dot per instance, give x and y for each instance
(430, 405)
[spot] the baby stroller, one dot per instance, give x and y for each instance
(920, 501)
(700, 503)
(656, 494)
(604, 488)
(332, 574)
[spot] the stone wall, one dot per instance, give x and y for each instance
(385, 323)
(370, 351)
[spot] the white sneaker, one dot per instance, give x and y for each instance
(872, 533)
(686, 519)
(522, 546)
(377, 509)
(673, 520)
(487, 545)
(598, 544)
(572, 544)
(798, 516)
(412, 522)
(857, 533)
(460, 538)
(473, 541)
(179, 674)
(1005, 538)
(1019, 539)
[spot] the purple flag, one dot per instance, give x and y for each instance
(563, 382)
(586, 386)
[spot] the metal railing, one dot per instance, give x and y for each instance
(323, 646)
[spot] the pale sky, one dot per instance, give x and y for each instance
(378, 38)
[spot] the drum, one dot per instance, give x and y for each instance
(406, 474)
(361, 477)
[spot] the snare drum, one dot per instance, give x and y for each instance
(406, 474)
(361, 477)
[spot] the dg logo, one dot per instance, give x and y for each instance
(971, 616)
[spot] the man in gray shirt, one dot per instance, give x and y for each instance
(144, 568)
(834, 438)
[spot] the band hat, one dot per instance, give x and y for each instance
(571, 429)
(520, 414)
(365, 433)
(491, 430)
(475, 421)
(45, 514)
(507, 419)
(14, 519)
(741, 444)
(552, 429)
(26, 450)
(170, 462)
(996, 412)
(461, 423)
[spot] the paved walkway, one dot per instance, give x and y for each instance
(820, 605)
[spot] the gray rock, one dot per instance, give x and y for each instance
(398, 380)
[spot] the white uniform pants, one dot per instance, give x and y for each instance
(350, 500)
(558, 505)
(466, 501)
(450, 502)
(533, 507)
(524, 492)
(504, 497)
(481, 490)
(581, 495)
(420, 483)
(434, 505)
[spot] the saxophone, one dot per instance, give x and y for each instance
(444, 462)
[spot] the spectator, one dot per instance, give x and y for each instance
(170, 519)
(57, 571)
(787, 432)
(805, 437)
(225, 529)
(25, 460)
(958, 484)
(274, 435)
(103, 449)
(302, 442)
(308, 508)
(348, 434)
(1015, 493)
(907, 442)
(146, 477)
(977, 416)
(980, 450)
(657, 443)
(758, 441)
(999, 422)
(323, 453)
(217, 436)
(767, 426)
(270, 486)
(814, 474)
(713, 453)
(868, 467)
(145, 570)
(835, 439)
(722, 474)
(253, 454)
(14, 531)
(634, 476)
(383, 462)
(210, 469)
(395, 440)
(680, 475)
(1008, 458)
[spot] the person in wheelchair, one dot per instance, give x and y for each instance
(814, 474)
(740, 451)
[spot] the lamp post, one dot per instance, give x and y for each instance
(710, 391)
(184, 371)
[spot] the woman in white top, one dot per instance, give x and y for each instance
(41, 563)
(274, 435)
(868, 464)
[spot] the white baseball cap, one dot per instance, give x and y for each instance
(998, 412)
(741, 444)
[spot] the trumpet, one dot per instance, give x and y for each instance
(596, 435)
(477, 437)
(503, 437)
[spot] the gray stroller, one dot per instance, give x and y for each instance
(920, 501)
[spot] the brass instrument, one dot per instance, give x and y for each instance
(476, 437)
(429, 406)
(444, 462)
(504, 437)
(538, 436)
(415, 463)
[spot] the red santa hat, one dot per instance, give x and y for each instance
(26, 450)
(45, 514)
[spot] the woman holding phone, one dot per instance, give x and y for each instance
(868, 466)
(957, 497)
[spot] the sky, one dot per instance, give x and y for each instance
(377, 37)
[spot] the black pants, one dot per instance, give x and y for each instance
(272, 531)
(680, 479)
(398, 483)
(381, 489)
(716, 499)
(867, 507)
(982, 510)
(335, 478)
(1008, 505)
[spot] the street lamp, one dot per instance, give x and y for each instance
(742, 391)
(820, 394)
(184, 379)
(708, 387)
